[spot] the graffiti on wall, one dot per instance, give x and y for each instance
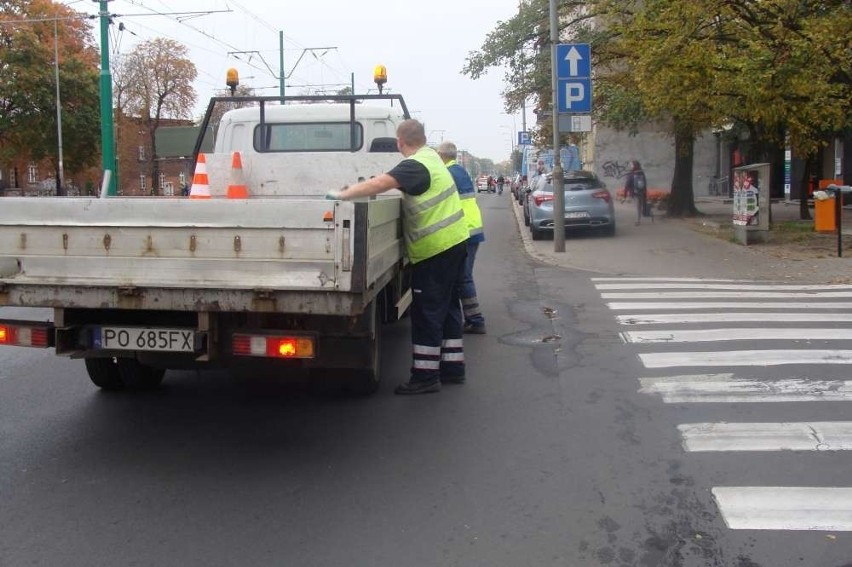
(615, 169)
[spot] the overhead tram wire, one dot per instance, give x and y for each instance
(341, 75)
(216, 80)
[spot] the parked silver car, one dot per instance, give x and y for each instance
(588, 204)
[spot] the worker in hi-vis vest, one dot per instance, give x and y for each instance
(474, 322)
(436, 234)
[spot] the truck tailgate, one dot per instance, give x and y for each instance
(184, 253)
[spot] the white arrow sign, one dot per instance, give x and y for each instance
(573, 57)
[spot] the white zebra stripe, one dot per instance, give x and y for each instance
(785, 305)
(726, 294)
(653, 279)
(724, 286)
(724, 388)
(676, 318)
(785, 508)
(800, 334)
(745, 358)
(815, 436)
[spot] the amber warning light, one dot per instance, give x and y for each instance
(232, 79)
(380, 76)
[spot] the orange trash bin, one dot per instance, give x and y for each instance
(824, 215)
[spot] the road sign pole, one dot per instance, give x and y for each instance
(558, 181)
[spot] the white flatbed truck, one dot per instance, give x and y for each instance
(140, 285)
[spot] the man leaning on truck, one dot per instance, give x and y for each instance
(436, 235)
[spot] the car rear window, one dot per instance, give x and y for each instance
(577, 184)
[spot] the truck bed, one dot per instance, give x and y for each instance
(274, 254)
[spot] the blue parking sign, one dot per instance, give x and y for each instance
(574, 95)
(574, 78)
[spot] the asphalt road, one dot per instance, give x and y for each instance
(548, 456)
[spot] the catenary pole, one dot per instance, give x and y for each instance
(281, 61)
(107, 135)
(558, 181)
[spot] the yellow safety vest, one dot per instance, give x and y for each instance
(472, 214)
(434, 220)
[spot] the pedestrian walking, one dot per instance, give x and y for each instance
(436, 234)
(474, 322)
(637, 185)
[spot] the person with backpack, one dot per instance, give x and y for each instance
(636, 184)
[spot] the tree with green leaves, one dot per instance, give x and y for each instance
(28, 117)
(774, 66)
(154, 82)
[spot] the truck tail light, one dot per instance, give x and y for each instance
(24, 335)
(274, 346)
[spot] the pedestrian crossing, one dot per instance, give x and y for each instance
(699, 329)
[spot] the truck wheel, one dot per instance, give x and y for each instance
(365, 381)
(139, 376)
(104, 373)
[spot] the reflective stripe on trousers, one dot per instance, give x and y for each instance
(436, 318)
(467, 289)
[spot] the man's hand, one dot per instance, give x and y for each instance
(335, 194)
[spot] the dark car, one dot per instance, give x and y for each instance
(588, 204)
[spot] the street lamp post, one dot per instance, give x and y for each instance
(59, 160)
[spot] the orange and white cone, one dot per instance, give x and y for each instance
(200, 184)
(237, 188)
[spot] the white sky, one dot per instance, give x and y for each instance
(423, 46)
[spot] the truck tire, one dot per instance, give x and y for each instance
(115, 374)
(365, 381)
(104, 373)
(138, 376)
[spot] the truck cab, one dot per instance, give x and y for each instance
(283, 145)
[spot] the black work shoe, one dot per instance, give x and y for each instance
(453, 379)
(470, 329)
(412, 387)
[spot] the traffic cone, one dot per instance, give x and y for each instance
(200, 185)
(237, 189)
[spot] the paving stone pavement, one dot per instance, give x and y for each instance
(701, 247)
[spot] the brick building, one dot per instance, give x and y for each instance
(175, 143)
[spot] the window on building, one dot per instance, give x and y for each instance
(142, 183)
(162, 180)
(32, 173)
(141, 153)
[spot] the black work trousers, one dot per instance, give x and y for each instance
(436, 316)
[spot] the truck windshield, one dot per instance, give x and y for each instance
(307, 137)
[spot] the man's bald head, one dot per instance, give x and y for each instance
(411, 134)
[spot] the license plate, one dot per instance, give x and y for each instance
(577, 215)
(139, 338)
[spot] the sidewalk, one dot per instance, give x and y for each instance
(702, 247)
